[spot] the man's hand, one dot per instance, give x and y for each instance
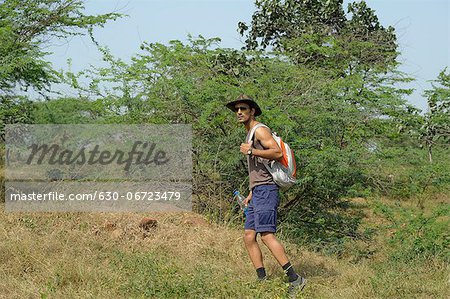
(245, 147)
(247, 199)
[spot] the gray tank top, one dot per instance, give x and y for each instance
(258, 173)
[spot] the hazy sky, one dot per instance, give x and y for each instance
(422, 27)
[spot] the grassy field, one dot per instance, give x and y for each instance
(81, 255)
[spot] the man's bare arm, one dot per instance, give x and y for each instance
(272, 151)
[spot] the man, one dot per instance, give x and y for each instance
(263, 198)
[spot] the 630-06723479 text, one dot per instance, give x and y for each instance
(98, 195)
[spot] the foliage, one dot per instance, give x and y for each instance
(402, 171)
(14, 110)
(67, 111)
(424, 236)
(331, 121)
(320, 33)
(418, 235)
(26, 27)
(436, 126)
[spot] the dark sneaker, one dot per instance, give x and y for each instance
(296, 285)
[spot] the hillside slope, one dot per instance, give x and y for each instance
(104, 255)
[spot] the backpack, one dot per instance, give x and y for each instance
(283, 171)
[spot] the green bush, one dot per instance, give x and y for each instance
(422, 236)
(405, 172)
(417, 235)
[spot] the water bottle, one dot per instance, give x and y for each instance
(240, 199)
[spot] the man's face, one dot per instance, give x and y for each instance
(243, 112)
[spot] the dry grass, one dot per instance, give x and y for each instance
(105, 255)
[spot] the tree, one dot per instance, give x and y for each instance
(275, 20)
(437, 120)
(319, 32)
(26, 26)
(190, 83)
(346, 114)
(356, 52)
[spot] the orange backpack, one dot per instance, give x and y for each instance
(283, 171)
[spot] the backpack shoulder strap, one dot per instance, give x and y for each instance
(252, 132)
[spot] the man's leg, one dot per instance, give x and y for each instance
(295, 280)
(251, 244)
(275, 247)
(279, 253)
(266, 200)
(253, 248)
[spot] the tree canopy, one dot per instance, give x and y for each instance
(26, 26)
(321, 33)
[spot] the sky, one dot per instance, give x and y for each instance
(422, 27)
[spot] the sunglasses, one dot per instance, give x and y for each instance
(236, 109)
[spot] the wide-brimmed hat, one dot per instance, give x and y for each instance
(247, 100)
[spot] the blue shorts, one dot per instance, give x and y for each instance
(262, 209)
